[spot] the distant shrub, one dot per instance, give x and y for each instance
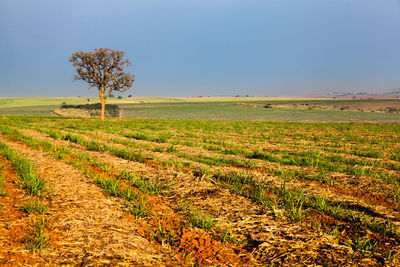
(94, 109)
(392, 110)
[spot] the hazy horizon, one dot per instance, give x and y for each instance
(208, 48)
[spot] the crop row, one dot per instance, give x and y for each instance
(37, 238)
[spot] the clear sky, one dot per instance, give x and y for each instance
(204, 47)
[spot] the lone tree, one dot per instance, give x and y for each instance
(103, 68)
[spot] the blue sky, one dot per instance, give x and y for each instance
(204, 47)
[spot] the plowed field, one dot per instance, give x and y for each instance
(178, 192)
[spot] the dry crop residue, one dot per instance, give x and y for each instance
(349, 216)
(89, 224)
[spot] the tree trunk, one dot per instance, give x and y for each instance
(103, 107)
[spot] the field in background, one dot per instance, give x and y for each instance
(57, 101)
(156, 191)
(224, 108)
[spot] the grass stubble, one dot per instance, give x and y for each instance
(296, 205)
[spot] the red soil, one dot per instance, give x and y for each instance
(15, 224)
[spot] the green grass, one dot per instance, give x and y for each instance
(29, 180)
(228, 236)
(38, 239)
(35, 206)
(111, 186)
(138, 208)
(165, 234)
(197, 218)
(201, 220)
(362, 244)
(129, 194)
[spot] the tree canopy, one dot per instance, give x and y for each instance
(103, 68)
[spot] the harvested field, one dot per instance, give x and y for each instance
(178, 192)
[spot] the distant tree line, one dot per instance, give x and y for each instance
(111, 109)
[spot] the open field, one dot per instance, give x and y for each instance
(224, 108)
(232, 111)
(57, 101)
(182, 192)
